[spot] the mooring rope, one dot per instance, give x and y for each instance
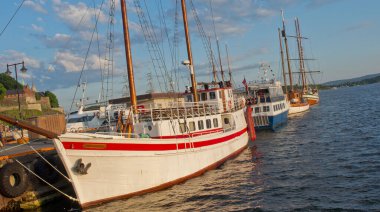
(61, 192)
(68, 179)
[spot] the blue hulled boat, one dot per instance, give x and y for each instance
(268, 102)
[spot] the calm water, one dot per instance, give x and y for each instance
(328, 158)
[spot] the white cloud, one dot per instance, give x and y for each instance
(74, 63)
(75, 14)
(58, 40)
(37, 28)
(43, 78)
(36, 6)
(51, 68)
(70, 62)
(12, 56)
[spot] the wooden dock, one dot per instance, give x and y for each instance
(36, 192)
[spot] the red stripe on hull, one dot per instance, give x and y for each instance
(168, 184)
(146, 147)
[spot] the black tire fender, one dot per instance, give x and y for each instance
(13, 180)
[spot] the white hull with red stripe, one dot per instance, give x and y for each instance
(123, 167)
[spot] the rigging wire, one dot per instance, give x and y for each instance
(150, 37)
(87, 53)
(204, 38)
(97, 39)
(215, 35)
(10, 20)
(109, 56)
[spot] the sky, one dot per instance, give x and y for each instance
(61, 46)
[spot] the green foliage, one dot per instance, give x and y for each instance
(3, 91)
(8, 82)
(38, 96)
(25, 113)
(53, 99)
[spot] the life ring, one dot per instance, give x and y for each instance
(45, 171)
(13, 180)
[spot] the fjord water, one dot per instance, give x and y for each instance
(327, 158)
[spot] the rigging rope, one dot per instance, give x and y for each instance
(10, 20)
(150, 37)
(85, 60)
(51, 165)
(206, 42)
(63, 193)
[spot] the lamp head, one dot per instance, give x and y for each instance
(23, 69)
(186, 62)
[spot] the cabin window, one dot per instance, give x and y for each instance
(204, 96)
(189, 98)
(226, 120)
(215, 120)
(257, 110)
(182, 127)
(208, 123)
(149, 128)
(192, 126)
(265, 108)
(201, 125)
(212, 95)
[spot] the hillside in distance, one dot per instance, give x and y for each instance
(367, 79)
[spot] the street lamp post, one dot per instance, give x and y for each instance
(23, 70)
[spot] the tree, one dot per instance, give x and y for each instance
(53, 99)
(8, 82)
(3, 91)
(38, 96)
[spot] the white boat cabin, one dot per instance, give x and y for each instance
(188, 119)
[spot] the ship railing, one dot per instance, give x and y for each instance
(178, 111)
(127, 135)
(238, 104)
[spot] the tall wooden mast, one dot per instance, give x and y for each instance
(128, 56)
(300, 54)
(287, 52)
(282, 61)
(191, 65)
